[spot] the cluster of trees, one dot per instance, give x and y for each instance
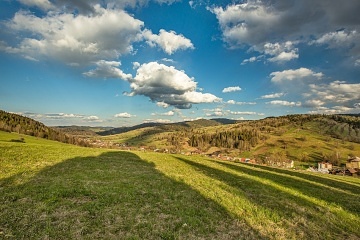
(11, 122)
(341, 127)
(241, 138)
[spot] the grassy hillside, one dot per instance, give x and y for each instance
(53, 190)
(305, 139)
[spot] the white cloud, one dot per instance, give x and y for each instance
(232, 102)
(333, 110)
(107, 69)
(338, 39)
(296, 74)
(314, 103)
(285, 103)
(136, 65)
(231, 89)
(243, 113)
(168, 60)
(357, 63)
(170, 42)
(93, 119)
(215, 114)
(239, 21)
(255, 23)
(169, 113)
(63, 115)
(157, 121)
(42, 4)
(167, 85)
(162, 104)
(252, 59)
(280, 52)
(76, 39)
(124, 115)
(274, 95)
(336, 92)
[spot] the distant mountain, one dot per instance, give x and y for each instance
(225, 120)
(119, 130)
(170, 126)
(82, 130)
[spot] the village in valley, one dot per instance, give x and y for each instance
(351, 168)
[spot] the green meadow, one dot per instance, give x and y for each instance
(50, 190)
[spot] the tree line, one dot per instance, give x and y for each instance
(11, 122)
(242, 139)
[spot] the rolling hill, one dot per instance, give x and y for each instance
(305, 139)
(302, 138)
(50, 190)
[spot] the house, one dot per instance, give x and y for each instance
(351, 172)
(353, 163)
(324, 167)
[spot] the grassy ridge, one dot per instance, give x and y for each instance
(58, 191)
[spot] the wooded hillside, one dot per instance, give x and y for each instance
(11, 122)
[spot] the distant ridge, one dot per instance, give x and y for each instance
(224, 120)
(127, 129)
(171, 126)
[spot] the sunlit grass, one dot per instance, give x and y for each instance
(50, 190)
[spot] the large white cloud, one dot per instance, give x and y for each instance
(255, 23)
(168, 86)
(81, 39)
(305, 86)
(76, 39)
(168, 41)
(338, 39)
(336, 92)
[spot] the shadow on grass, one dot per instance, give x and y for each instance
(348, 199)
(115, 195)
(338, 184)
(301, 215)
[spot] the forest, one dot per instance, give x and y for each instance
(10, 122)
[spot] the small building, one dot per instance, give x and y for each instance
(353, 163)
(324, 166)
(351, 172)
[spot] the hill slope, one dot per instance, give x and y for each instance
(49, 189)
(11, 122)
(303, 138)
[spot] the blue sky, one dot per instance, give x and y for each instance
(120, 63)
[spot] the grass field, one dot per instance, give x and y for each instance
(50, 190)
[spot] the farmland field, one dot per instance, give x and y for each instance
(50, 190)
